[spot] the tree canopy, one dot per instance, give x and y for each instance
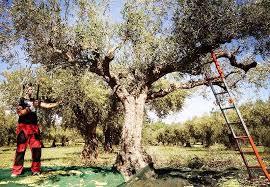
(80, 34)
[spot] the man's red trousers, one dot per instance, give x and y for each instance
(27, 134)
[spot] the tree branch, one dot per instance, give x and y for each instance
(101, 66)
(64, 54)
(190, 63)
(74, 56)
(111, 79)
(173, 87)
(188, 85)
(233, 62)
(121, 92)
(155, 72)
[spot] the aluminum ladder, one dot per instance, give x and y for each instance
(241, 139)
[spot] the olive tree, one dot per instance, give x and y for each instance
(154, 38)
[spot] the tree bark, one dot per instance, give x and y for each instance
(107, 131)
(188, 144)
(132, 158)
(8, 141)
(87, 127)
(42, 145)
(111, 129)
(53, 143)
(112, 133)
(90, 149)
(63, 141)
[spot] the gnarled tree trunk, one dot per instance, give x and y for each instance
(87, 128)
(63, 141)
(53, 143)
(111, 128)
(90, 149)
(132, 158)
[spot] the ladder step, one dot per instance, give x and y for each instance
(213, 78)
(227, 108)
(248, 151)
(220, 93)
(235, 123)
(254, 167)
(258, 167)
(241, 137)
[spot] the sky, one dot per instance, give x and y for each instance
(116, 7)
(198, 105)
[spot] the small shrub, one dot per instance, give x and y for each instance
(217, 147)
(195, 163)
(267, 149)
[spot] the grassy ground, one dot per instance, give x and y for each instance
(214, 157)
(65, 158)
(57, 156)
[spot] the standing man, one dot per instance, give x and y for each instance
(28, 132)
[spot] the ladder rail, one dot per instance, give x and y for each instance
(261, 163)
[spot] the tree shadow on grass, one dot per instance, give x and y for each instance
(74, 154)
(197, 176)
(64, 176)
(44, 159)
(181, 177)
(3, 150)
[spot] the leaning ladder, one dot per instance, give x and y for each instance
(239, 139)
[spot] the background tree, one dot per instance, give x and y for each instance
(7, 127)
(113, 124)
(152, 133)
(211, 129)
(82, 106)
(256, 116)
(85, 105)
(65, 136)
